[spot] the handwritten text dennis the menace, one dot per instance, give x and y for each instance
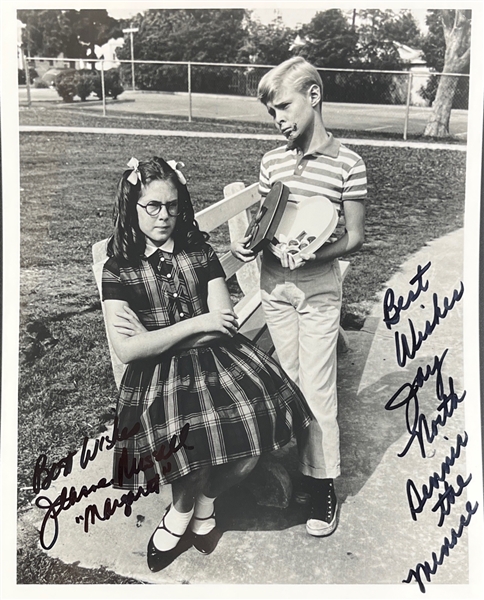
(422, 430)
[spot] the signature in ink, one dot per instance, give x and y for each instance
(418, 499)
(91, 513)
(392, 311)
(426, 569)
(416, 422)
(44, 475)
(128, 467)
(105, 442)
(64, 501)
(447, 499)
(406, 348)
(69, 497)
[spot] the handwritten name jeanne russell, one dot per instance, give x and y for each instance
(45, 474)
(420, 430)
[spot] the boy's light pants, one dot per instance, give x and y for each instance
(302, 310)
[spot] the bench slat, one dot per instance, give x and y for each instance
(246, 307)
(231, 265)
(217, 214)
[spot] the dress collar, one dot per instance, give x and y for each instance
(150, 249)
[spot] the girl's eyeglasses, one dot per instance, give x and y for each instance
(153, 208)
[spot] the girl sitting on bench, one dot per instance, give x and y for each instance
(198, 402)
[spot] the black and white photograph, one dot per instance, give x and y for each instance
(240, 312)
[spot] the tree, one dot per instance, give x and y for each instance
(197, 35)
(329, 40)
(376, 25)
(94, 27)
(403, 28)
(73, 33)
(50, 33)
(379, 32)
(456, 27)
(433, 43)
(267, 44)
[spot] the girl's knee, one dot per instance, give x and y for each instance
(192, 482)
(245, 465)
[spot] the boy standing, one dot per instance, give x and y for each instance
(302, 301)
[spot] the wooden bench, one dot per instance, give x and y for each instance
(269, 482)
(234, 209)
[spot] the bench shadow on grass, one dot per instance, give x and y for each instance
(367, 431)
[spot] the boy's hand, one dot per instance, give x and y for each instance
(289, 261)
(240, 252)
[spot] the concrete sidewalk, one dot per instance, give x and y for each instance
(376, 542)
(234, 136)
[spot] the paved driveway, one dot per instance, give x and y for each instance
(357, 117)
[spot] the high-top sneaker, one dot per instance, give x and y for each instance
(324, 509)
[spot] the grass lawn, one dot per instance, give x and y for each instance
(79, 114)
(66, 390)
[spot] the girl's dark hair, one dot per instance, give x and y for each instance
(128, 242)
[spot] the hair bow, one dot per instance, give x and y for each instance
(176, 166)
(135, 176)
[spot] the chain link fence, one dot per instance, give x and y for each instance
(409, 89)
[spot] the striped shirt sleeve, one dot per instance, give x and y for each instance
(264, 183)
(355, 184)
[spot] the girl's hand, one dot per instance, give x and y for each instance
(127, 323)
(240, 252)
(223, 321)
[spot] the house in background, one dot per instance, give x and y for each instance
(108, 52)
(415, 64)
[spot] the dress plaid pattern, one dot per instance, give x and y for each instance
(194, 407)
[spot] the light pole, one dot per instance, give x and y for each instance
(25, 64)
(131, 30)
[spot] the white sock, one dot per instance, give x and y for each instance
(176, 522)
(202, 523)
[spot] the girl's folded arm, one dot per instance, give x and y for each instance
(218, 295)
(138, 343)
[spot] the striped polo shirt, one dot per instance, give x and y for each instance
(333, 170)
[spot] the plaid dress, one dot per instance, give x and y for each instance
(195, 407)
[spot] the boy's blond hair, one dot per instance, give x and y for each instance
(296, 72)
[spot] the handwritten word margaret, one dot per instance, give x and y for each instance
(416, 422)
(110, 506)
(70, 497)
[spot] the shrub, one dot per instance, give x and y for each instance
(73, 82)
(360, 88)
(39, 83)
(66, 84)
(86, 83)
(165, 78)
(112, 84)
(21, 75)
